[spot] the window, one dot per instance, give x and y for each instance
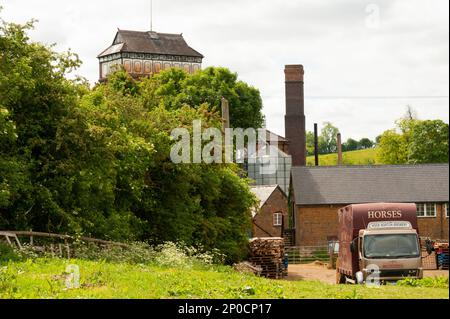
(446, 209)
(426, 210)
(278, 219)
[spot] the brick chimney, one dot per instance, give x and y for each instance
(295, 114)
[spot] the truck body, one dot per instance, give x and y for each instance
(379, 240)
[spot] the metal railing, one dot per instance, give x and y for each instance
(307, 254)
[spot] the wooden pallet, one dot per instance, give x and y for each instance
(268, 253)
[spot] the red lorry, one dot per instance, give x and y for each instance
(378, 242)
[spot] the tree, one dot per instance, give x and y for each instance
(415, 142)
(350, 145)
(365, 143)
(378, 140)
(97, 162)
(36, 96)
(310, 143)
(174, 88)
(130, 189)
(328, 139)
(429, 142)
(393, 148)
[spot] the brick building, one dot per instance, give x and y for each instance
(272, 213)
(317, 193)
(146, 53)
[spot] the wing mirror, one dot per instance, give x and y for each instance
(353, 247)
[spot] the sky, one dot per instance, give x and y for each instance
(365, 61)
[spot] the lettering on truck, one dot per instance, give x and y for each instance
(385, 214)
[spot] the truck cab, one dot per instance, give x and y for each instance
(390, 254)
(378, 242)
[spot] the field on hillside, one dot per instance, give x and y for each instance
(362, 157)
(46, 278)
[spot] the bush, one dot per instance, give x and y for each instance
(7, 253)
(436, 282)
(165, 255)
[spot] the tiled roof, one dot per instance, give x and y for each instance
(370, 184)
(150, 42)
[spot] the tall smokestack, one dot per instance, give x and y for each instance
(339, 149)
(316, 144)
(295, 114)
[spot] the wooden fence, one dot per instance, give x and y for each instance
(55, 244)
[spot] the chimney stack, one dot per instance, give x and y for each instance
(339, 148)
(295, 114)
(316, 144)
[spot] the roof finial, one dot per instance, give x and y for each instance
(151, 15)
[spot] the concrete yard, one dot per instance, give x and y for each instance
(322, 273)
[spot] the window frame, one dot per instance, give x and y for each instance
(426, 212)
(278, 219)
(445, 207)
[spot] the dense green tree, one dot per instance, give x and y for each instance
(378, 140)
(96, 161)
(415, 142)
(35, 95)
(429, 142)
(365, 143)
(393, 148)
(174, 88)
(350, 145)
(129, 167)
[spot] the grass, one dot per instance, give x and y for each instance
(46, 278)
(362, 157)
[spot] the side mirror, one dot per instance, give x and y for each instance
(429, 247)
(353, 247)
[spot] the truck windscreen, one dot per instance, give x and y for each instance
(391, 246)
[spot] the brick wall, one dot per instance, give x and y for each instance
(315, 223)
(435, 227)
(264, 219)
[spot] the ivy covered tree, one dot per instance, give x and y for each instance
(97, 162)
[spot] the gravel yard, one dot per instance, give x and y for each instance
(323, 274)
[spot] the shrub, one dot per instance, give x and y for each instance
(7, 253)
(436, 282)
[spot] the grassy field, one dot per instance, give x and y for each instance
(46, 278)
(362, 157)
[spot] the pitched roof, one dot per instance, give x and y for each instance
(370, 184)
(150, 42)
(263, 193)
(271, 136)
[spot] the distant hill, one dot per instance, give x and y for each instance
(362, 157)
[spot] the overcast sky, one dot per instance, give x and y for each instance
(365, 61)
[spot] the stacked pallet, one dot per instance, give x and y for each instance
(268, 253)
(441, 249)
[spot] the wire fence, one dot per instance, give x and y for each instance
(308, 254)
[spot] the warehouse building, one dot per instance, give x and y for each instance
(317, 193)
